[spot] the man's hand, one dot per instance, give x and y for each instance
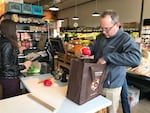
(101, 61)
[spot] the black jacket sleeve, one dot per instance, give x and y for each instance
(9, 63)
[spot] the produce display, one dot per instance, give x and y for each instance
(134, 34)
(76, 40)
(83, 38)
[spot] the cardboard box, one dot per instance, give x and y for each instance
(134, 95)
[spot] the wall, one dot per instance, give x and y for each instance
(146, 9)
(129, 11)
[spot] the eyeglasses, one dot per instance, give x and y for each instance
(107, 29)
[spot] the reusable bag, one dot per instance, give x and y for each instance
(85, 80)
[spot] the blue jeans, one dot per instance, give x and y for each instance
(124, 98)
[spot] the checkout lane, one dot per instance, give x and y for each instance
(54, 95)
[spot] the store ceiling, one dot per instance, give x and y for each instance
(62, 4)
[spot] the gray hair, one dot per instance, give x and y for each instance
(114, 15)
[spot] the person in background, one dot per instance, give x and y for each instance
(9, 67)
(118, 50)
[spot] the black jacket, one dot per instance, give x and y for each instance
(9, 67)
(120, 51)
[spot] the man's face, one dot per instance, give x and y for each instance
(108, 27)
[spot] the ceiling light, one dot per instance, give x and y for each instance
(61, 19)
(75, 18)
(54, 8)
(95, 14)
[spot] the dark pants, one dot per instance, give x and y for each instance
(124, 98)
(10, 87)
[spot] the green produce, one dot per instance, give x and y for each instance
(33, 70)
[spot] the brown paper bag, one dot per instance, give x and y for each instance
(85, 80)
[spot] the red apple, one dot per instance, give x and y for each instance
(86, 51)
(47, 82)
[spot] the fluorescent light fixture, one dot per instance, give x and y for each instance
(54, 8)
(61, 19)
(75, 10)
(95, 14)
(75, 18)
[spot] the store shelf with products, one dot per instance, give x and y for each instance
(88, 34)
(132, 28)
(32, 33)
(30, 28)
(146, 34)
(81, 29)
(31, 24)
(81, 33)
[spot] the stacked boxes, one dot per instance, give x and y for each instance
(134, 95)
(27, 8)
(16, 7)
(37, 10)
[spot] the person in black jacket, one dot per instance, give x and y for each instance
(118, 50)
(9, 67)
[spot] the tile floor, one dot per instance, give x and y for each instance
(142, 107)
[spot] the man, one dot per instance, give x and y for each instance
(118, 50)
